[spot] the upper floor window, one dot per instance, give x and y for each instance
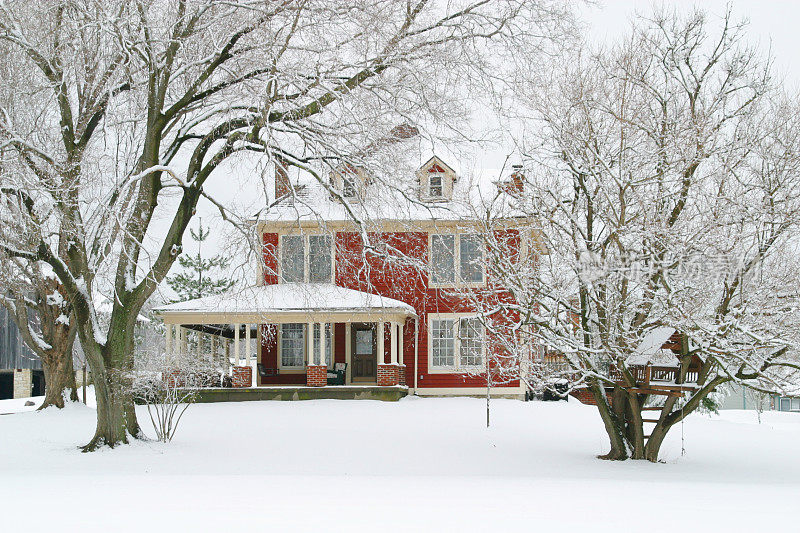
(349, 188)
(456, 259)
(349, 181)
(306, 258)
(435, 185)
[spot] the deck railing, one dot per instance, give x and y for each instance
(654, 374)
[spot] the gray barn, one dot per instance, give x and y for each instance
(20, 370)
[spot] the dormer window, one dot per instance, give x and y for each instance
(436, 181)
(349, 189)
(349, 181)
(435, 185)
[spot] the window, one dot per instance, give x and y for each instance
(468, 248)
(435, 185)
(319, 258)
(293, 345)
(292, 258)
(442, 258)
(456, 343)
(471, 258)
(470, 337)
(349, 189)
(306, 258)
(327, 328)
(443, 343)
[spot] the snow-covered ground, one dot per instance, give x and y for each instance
(414, 465)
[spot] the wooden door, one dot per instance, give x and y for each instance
(363, 350)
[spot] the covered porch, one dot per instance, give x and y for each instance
(296, 335)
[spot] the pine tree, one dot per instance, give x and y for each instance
(195, 281)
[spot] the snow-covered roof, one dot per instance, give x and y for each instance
(650, 351)
(396, 197)
(289, 298)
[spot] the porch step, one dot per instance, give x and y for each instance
(652, 408)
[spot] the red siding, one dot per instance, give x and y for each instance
(390, 274)
(339, 340)
(270, 252)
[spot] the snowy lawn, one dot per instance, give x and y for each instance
(418, 464)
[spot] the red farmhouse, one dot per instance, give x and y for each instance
(365, 284)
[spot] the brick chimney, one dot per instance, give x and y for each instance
(282, 186)
(517, 179)
(515, 185)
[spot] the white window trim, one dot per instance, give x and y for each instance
(457, 368)
(306, 254)
(302, 369)
(442, 176)
(291, 369)
(457, 281)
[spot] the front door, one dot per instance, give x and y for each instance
(363, 349)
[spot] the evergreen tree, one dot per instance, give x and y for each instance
(196, 280)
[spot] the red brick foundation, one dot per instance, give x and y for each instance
(388, 375)
(242, 376)
(316, 375)
(401, 370)
(175, 379)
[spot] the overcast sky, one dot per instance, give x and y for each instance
(773, 25)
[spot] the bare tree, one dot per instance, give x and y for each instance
(665, 196)
(138, 103)
(168, 384)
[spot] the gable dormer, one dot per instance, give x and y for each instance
(436, 181)
(350, 181)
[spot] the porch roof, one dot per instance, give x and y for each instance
(286, 302)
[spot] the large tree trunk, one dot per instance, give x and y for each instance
(611, 422)
(59, 377)
(116, 414)
(623, 422)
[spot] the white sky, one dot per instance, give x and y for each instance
(773, 26)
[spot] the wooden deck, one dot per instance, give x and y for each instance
(292, 393)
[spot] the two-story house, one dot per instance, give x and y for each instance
(381, 281)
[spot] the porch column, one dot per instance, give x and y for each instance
(316, 374)
(236, 343)
(310, 342)
(387, 372)
(325, 333)
(168, 338)
(401, 329)
(247, 355)
(401, 367)
(214, 348)
(393, 341)
(381, 332)
(184, 350)
(199, 348)
(242, 376)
